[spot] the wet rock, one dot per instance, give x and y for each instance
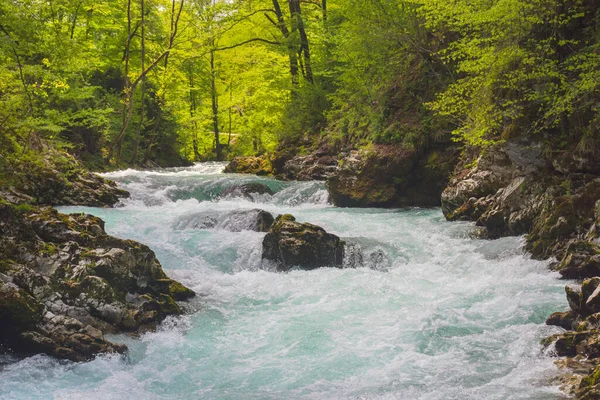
(201, 220)
(313, 167)
(570, 344)
(581, 260)
(250, 165)
(574, 298)
(65, 282)
(234, 221)
(292, 244)
(246, 220)
(391, 176)
(246, 190)
(562, 319)
(356, 257)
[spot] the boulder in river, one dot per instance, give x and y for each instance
(292, 244)
(392, 176)
(64, 283)
(233, 221)
(246, 190)
(246, 220)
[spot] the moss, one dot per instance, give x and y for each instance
(180, 292)
(168, 306)
(24, 208)
(285, 217)
(6, 265)
(591, 380)
(18, 310)
(100, 290)
(432, 160)
(48, 249)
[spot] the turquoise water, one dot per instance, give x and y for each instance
(431, 314)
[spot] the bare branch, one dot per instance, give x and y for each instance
(246, 42)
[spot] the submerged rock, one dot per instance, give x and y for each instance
(64, 282)
(292, 244)
(246, 190)
(234, 221)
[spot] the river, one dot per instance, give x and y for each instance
(431, 313)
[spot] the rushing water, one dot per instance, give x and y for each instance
(433, 314)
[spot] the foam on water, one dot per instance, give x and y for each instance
(447, 317)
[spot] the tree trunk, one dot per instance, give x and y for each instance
(286, 33)
(130, 87)
(215, 107)
(298, 25)
(143, 84)
(127, 109)
(193, 107)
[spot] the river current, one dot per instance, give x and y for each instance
(429, 313)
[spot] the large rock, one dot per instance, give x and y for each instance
(318, 166)
(249, 165)
(477, 176)
(64, 282)
(292, 244)
(246, 190)
(510, 189)
(58, 179)
(392, 176)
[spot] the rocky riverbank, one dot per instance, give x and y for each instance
(517, 188)
(64, 282)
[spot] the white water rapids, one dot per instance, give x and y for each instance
(433, 314)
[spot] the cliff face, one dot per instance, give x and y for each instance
(518, 187)
(513, 188)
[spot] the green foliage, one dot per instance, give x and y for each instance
(359, 72)
(520, 66)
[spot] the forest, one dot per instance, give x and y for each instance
(166, 83)
(295, 166)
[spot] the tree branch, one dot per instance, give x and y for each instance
(246, 42)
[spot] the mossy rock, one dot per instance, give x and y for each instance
(180, 292)
(564, 320)
(590, 380)
(18, 309)
(292, 244)
(250, 165)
